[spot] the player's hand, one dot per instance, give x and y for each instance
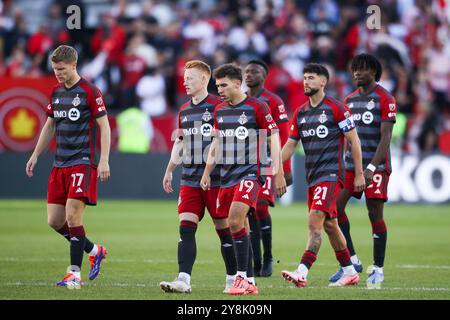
(368, 176)
(103, 171)
(360, 183)
(30, 166)
(280, 184)
(167, 182)
(205, 183)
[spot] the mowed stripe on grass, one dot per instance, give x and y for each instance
(142, 236)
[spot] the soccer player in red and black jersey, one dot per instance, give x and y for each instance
(260, 221)
(195, 126)
(75, 110)
(321, 124)
(241, 125)
(374, 110)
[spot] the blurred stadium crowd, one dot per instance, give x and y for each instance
(135, 51)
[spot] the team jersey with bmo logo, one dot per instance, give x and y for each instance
(320, 130)
(196, 122)
(278, 111)
(75, 111)
(241, 140)
(369, 111)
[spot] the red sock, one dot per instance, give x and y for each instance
(343, 257)
(308, 258)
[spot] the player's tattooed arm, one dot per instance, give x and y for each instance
(46, 135)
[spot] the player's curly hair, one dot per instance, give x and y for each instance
(317, 68)
(229, 70)
(65, 54)
(366, 61)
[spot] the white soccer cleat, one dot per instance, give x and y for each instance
(228, 285)
(375, 279)
(175, 286)
(295, 277)
(346, 280)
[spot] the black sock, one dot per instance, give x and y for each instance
(379, 233)
(64, 231)
(187, 247)
(227, 249)
(241, 247)
(266, 235)
(255, 239)
(344, 225)
(250, 271)
(77, 243)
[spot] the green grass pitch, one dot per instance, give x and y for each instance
(141, 238)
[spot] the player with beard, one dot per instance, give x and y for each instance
(321, 124)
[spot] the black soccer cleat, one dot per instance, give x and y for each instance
(267, 268)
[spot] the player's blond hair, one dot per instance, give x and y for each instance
(65, 54)
(199, 65)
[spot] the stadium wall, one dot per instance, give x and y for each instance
(414, 179)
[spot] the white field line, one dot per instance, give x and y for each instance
(156, 285)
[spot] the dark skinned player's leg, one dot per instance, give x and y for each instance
(379, 230)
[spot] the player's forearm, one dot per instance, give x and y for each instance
(211, 160)
(357, 155)
(175, 155)
(382, 149)
(288, 150)
(105, 142)
(275, 151)
(45, 137)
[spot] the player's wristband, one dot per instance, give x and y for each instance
(371, 167)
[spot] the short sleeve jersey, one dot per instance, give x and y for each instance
(369, 111)
(241, 129)
(195, 122)
(75, 110)
(321, 131)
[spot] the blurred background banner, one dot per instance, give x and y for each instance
(22, 111)
(139, 176)
(135, 52)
